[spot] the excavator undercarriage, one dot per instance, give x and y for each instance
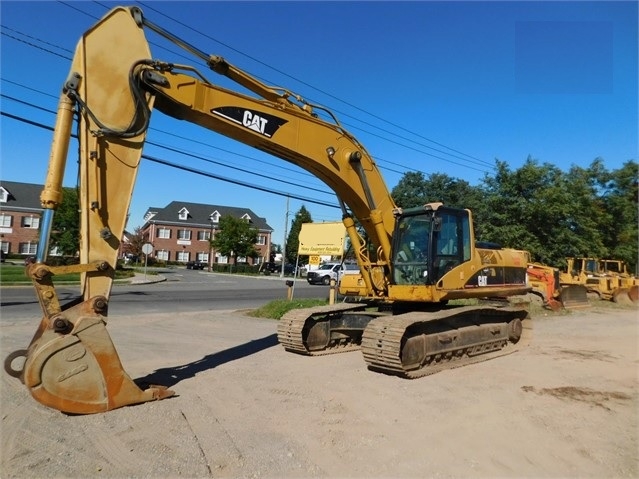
(410, 344)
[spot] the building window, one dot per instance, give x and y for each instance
(215, 217)
(164, 233)
(203, 235)
(28, 248)
(162, 255)
(4, 246)
(202, 257)
(183, 214)
(184, 235)
(31, 222)
(247, 218)
(5, 221)
(183, 256)
(261, 240)
(4, 195)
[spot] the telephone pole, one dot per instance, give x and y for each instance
(284, 242)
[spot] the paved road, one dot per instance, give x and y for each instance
(183, 291)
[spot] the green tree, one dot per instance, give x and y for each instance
(414, 189)
(543, 210)
(135, 243)
(584, 233)
(503, 216)
(535, 208)
(411, 190)
(293, 239)
(619, 217)
(235, 238)
(538, 207)
(65, 230)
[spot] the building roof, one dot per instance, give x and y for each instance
(25, 196)
(198, 214)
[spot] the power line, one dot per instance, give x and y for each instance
(4, 27)
(236, 168)
(271, 67)
(28, 88)
(310, 86)
(195, 170)
(198, 156)
(5, 34)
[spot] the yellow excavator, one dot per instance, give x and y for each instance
(412, 261)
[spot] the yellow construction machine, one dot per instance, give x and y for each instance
(549, 292)
(603, 279)
(412, 263)
(615, 283)
(628, 281)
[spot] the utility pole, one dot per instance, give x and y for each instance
(284, 242)
(211, 243)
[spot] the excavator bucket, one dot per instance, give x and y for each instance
(633, 294)
(71, 365)
(574, 297)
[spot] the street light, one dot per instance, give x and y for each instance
(211, 243)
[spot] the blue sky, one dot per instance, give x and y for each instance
(436, 87)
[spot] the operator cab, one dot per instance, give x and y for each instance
(429, 241)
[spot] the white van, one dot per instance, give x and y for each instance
(328, 271)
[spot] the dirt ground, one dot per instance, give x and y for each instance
(566, 406)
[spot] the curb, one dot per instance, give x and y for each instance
(140, 278)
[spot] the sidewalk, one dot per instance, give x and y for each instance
(141, 278)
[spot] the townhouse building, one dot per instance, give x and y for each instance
(181, 231)
(20, 213)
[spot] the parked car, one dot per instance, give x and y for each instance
(328, 271)
(197, 264)
(276, 268)
(130, 258)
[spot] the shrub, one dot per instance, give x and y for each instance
(277, 308)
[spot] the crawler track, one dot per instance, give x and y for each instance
(409, 345)
(481, 333)
(295, 324)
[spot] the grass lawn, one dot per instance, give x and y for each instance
(11, 274)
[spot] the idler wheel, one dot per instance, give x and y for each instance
(515, 329)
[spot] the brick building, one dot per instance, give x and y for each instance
(20, 213)
(180, 232)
